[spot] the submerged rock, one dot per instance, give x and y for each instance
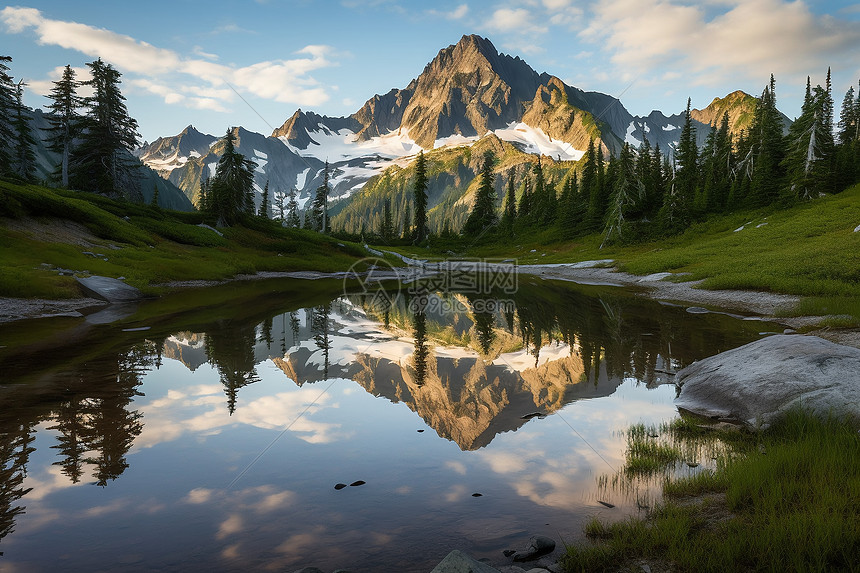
(459, 562)
(756, 383)
(538, 545)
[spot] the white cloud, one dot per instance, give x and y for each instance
(286, 81)
(517, 20)
(752, 38)
(458, 12)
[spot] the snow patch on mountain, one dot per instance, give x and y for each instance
(670, 127)
(628, 137)
(301, 178)
(260, 154)
(535, 141)
(342, 145)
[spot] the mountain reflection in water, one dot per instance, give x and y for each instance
(471, 374)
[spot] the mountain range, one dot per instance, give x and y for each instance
(469, 97)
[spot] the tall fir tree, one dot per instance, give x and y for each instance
(408, 230)
(811, 149)
(102, 161)
(293, 211)
(768, 149)
(153, 201)
(419, 190)
(483, 215)
(64, 120)
(24, 156)
(677, 207)
(265, 210)
(628, 192)
(386, 227)
(7, 111)
(716, 168)
(233, 184)
(510, 211)
(203, 198)
(847, 163)
(524, 210)
(319, 210)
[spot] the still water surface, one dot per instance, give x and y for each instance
(207, 430)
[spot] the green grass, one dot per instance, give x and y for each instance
(154, 246)
(785, 500)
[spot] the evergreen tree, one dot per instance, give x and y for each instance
(524, 210)
(544, 202)
(627, 194)
(7, 108)
(319, 211)
(809, 160)
(264, 204)
(154, 200)
(849, 122)
(716, 168)
(676, 212)
(598, 198)
(23, 158)
(101, 162)
(386, 227)
(510, 212)
(768, 149)
(406, 233)
(847, 163)
(203, 202)
(483, 215)
(573, 209)
(419, 188)
(65, 120)
(293, 211)
(233, 184)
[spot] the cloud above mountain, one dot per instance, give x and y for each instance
(714, 41)
(192, 82)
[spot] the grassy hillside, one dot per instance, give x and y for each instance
(43, 230)
(810, 250)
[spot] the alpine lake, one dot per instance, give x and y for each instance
(278, 424)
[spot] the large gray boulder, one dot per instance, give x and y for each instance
(111, 290)
(756, 383)
(459, 562)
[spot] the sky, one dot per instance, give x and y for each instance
(253, 63)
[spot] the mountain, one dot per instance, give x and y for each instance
(468, 93)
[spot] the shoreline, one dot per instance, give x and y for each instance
(753, 304)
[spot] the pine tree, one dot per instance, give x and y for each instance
(574, 207)
(293, 211)
(407, 222)
(716, 168)
(154, 200)
(768, 149)
(524, 210)
(598, 197)
(7, 108)
(233, 184)
(510, 212)
(627, 194)
(65, 120)
(419, 188)
(483, 215)
(264, 204)
(203, 199)
(848, 119)
(386, 228)
(23, 158)
(847, 163)
(319, 210)
(677, 207)
(101, 162)
(811, 149)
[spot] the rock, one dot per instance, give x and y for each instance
(857, 229)
(509, 552)
(339, 485)
(420, 431)
(538, 545)
(697, 310)
(459, 562)
(357, 483)
(111, 290)
(309, 570)
(533, 415)
(756, 383)
(112, 313)
(476, 494)
(605, 504)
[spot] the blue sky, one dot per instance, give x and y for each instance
(182, 60)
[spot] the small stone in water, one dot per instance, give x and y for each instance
(419, 431)
(339, 485)
(509, 552)
(609, 505)
(476, 494)
(357, 483)
(532, 415)
(693, 464)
